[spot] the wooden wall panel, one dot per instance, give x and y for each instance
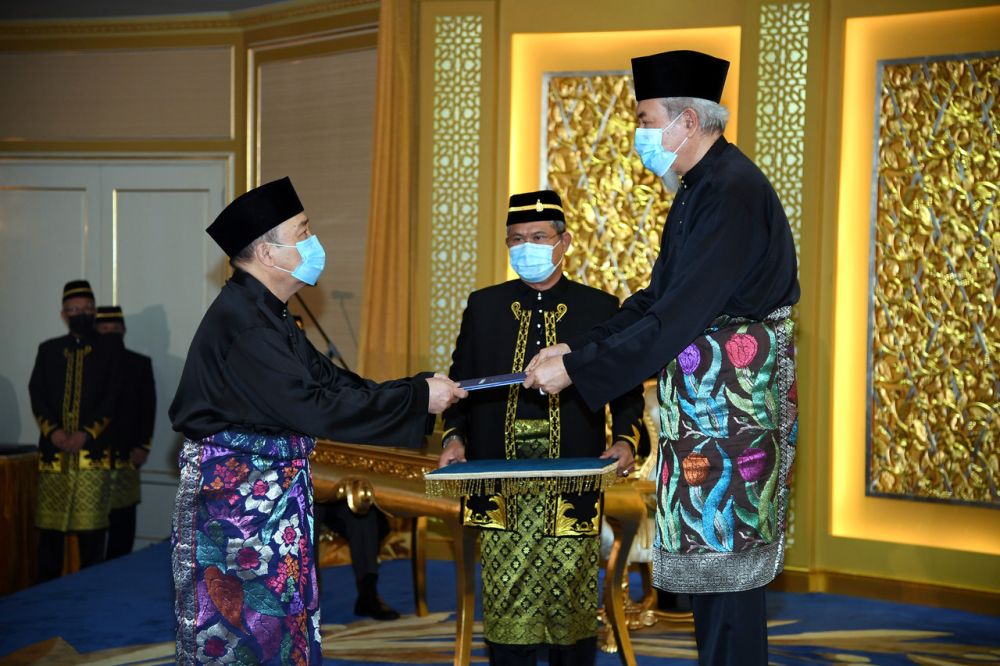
(147, 94)
(316, 127)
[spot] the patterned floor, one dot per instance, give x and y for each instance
(120, 613)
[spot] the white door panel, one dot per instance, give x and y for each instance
(48, 236)
(136, 230)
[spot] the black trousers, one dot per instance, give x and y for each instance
(51, 544)
(364, 534)
(121, 531)
(581, 653)
(731, 628)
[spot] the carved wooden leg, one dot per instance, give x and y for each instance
(614, 601)
(418, 560)
(465, 589)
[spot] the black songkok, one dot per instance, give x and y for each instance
(76, 289)
(110, 314)
(253, 214)
(679, 74)
(541, 206)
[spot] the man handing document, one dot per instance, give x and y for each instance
(253, 396)
(714, 322)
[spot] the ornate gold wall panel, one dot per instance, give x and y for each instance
(615, 207)
(934, 355)
(458, 57)
(781, 103)
(779, 146)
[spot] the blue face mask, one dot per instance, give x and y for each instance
(533, 261)
(313, 260)
(649, 145)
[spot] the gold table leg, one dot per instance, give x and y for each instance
(465, 588)
(418, 560)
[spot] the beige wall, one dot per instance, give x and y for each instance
(159, 100)
(315, 126)
(169, 93)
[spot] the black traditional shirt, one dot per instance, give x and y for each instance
(135, 408)
(72, 388)
(727, 249)
(251, 368)
(503, 327)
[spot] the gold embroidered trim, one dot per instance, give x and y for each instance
(98, 427)
(555, 423)
(565, 525)
(538, 207)
(495, 519)
(45, 426)
(67, 406)
(524, 316)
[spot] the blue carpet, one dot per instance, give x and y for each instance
(129, 602)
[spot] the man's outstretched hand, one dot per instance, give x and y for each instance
(443, 393)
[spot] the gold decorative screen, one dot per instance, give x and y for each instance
(781, 103)
(934, 353)
(782, 67)
(615, 207)
(458, 67)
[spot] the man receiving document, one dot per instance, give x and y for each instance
(540, 552)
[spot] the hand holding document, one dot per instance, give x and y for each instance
(547, 353)
(548, 376)
(442, 393)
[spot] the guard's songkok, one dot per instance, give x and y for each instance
(110, 314)
(76, 289)
(541, 206)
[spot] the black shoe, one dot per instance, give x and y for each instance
(374, 607)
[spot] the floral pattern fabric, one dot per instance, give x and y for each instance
(244, 573)
(727, 440)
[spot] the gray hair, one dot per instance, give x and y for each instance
(558, 225)
(711, 116)
(245, 255)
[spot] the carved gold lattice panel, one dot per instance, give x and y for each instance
(934, 357)
(458, 57)
(781, 103)
(615, 207)
(781, 123)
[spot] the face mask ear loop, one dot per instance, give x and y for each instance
(276, 265)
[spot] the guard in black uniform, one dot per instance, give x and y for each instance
(72, 391)
(132, 433)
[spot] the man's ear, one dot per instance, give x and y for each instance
(262, 252)
(691, 120)
(63, 316)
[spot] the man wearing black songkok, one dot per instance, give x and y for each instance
(253, 395)
(132, 432)
(72, 388)
(539, 570)
(715, 323)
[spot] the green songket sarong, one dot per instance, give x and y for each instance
(537, 589)
(74, 494)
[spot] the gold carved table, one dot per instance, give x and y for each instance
(393, 479)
